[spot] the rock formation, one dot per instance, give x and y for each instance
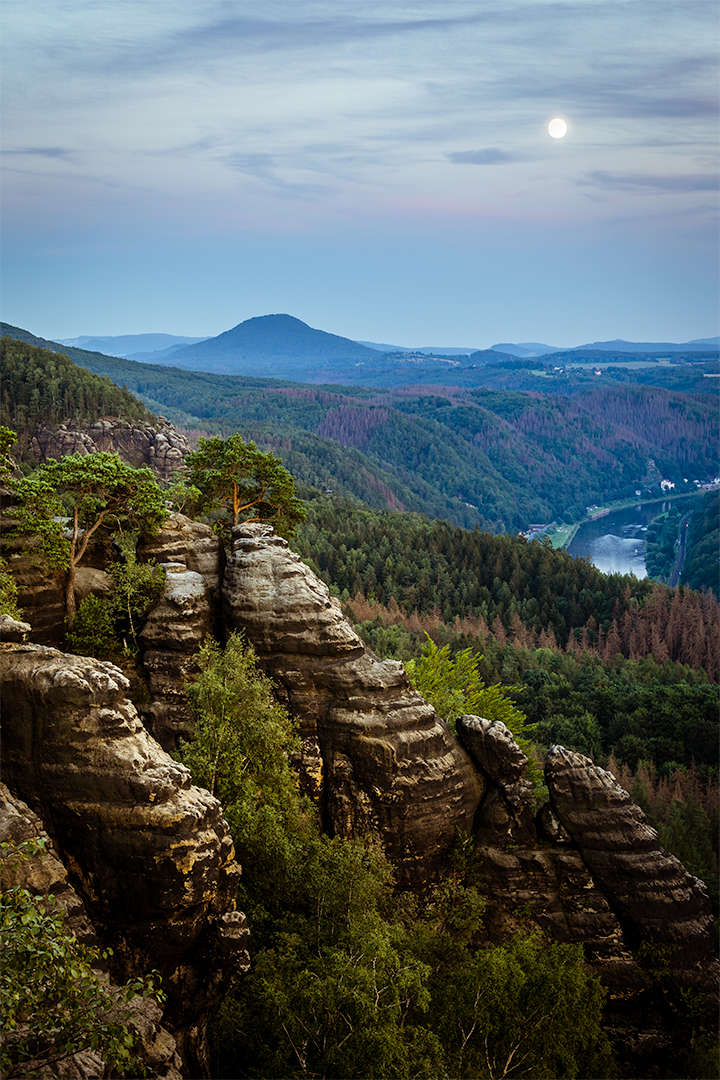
(45, 877)
(173, 633)
(655, 898)
(194, 559)
(590, 870)
(136, 443)
(375, 754)
(546, 880)
(190, 543)
(150, 855)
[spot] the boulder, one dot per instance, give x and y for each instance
(13, 629)
(91, 582)
(150, 854)
(375, 754)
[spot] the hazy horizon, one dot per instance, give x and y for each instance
(79, 341)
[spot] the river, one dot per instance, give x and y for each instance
(616, 542)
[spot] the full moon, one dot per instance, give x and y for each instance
(557, 128)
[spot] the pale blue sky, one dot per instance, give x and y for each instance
(381, 170)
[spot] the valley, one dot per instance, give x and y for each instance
(441, 698)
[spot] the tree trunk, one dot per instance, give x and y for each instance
(70, 609)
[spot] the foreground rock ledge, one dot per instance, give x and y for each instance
(375, 754)
(150, 854)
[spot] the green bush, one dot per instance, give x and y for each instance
(53, 1000)
(8, 593)
(93, 630)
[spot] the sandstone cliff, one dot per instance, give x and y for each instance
(194, 559)
(589, 869)
(150, 855)
(163, 449)
(375, 754)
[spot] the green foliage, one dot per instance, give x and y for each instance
(528, 1008)
(243, 763)
(54, 1001)
(237, 477)
(93, 630)
(105, 627)
(44, 387)
(661, 545)
(453, 686)
(349, 978)
(88, 492)
(136, 586)
(8, 592)
(688, 834)
(8, 439)
(183, 496)
(701, 569)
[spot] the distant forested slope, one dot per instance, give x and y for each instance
(495, 458)
(43, 387)
(405, 565)
(702, 560)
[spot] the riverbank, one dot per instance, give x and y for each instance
(562, 536)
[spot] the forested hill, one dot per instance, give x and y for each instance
(494, 458)
(404, 568)
(43, 387)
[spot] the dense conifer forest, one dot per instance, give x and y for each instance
(41, 387)
(411, 567)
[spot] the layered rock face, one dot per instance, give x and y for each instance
(542, 876)
(137, 444)
(191, 544)
(589, 869)
(151, 855)
(653, 894)
(375, 754)
(174, 631)
(45, 877)
(194, 559)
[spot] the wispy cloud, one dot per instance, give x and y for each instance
(264, 167)
(643, 182)
(491, 156)
(41, 151)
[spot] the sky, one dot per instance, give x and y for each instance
(378, 169)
